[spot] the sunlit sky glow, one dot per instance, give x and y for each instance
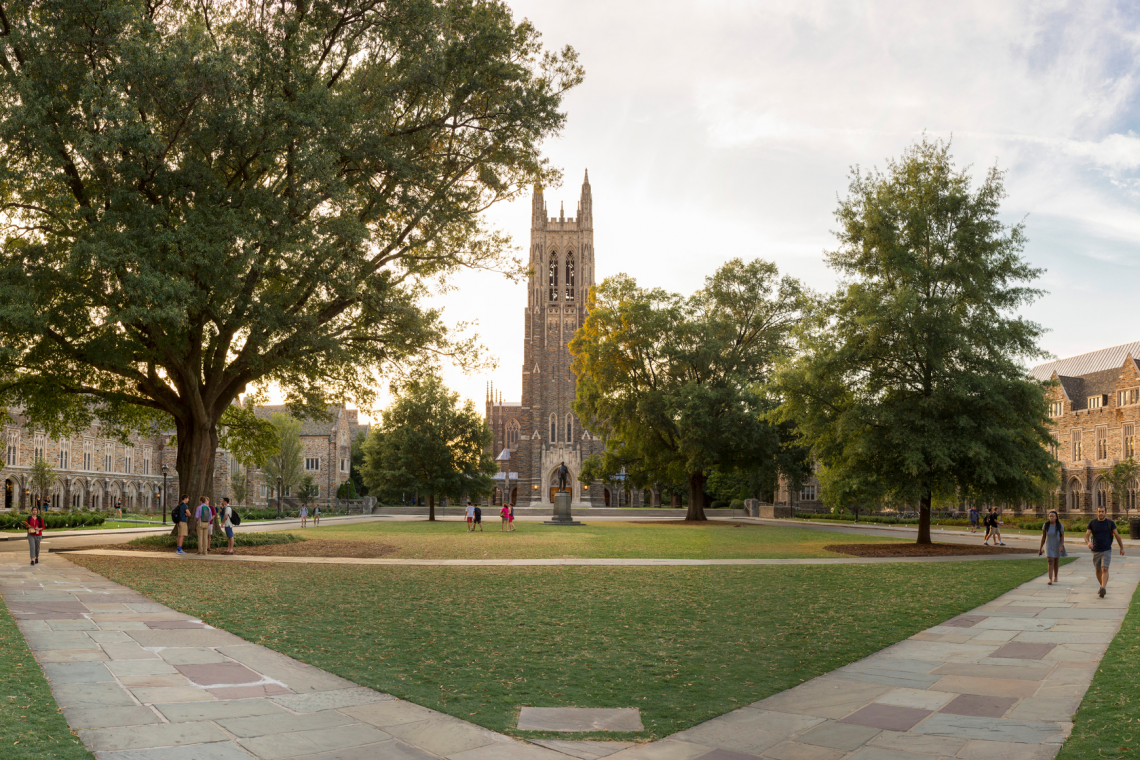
(724, 128)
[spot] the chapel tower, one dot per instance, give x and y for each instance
(542, 431)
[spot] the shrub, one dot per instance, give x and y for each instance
(219, 540)
(53, 520)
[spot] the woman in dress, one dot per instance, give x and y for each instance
(1052, 543)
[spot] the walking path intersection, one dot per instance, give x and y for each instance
(139, 681)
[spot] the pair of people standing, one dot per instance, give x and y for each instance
(474, 517)
(507, 513)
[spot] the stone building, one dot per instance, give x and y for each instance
(93, 471)
(535, 435)
(1095, 407)
(326, 447)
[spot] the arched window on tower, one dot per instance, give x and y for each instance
(569, 428)
(553, 276)
(569, 277)
(512, 434)
(553, 429)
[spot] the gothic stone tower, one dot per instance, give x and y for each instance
(541, 431)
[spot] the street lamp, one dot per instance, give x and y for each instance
(278, 497)
(164, 471)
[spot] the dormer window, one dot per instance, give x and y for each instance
(1128, 397)
(1097, 402)
(1056, 409)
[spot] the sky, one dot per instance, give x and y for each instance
(727, 128)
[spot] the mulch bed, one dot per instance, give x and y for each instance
(690, 522)
(314, 547)
(922, 550)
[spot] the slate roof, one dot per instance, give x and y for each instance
(308, 426)
(1085, 364)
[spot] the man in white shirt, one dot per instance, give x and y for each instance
(470, 517)
(227, 526)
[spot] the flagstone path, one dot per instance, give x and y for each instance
(139, 681)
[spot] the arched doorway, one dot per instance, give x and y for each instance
(1074, 495)
(514, 496)
(606, 495)
(571, 482)
(9, 493)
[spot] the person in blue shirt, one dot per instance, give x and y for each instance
(1099, 537)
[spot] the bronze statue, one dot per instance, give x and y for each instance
(563, 474)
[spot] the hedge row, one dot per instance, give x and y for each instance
(52, 520)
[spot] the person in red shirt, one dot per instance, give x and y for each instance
(35, 534)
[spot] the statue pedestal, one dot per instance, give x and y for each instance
(561, 514)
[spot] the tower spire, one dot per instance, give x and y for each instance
(537, 208)
(586, 205)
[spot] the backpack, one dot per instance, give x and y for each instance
(478, 513)
(204, 508)
(235, 518)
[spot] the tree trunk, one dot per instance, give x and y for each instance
(197, 445)
(924, 517)
(696, 497)
(431, 507)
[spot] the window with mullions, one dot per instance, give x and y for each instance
(552, 276)
(569, 277)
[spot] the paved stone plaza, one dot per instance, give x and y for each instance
(139, 681)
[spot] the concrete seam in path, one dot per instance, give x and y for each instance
(546, 562)
(140, 681)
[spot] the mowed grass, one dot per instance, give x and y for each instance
(683, 644)
(1108, 722)
(531, 540)
(31, 724)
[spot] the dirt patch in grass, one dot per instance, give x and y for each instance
(921, 550)
(314, 547)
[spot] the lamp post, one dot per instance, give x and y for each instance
(164, 471)
(278, 497)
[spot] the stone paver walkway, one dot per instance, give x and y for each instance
(551, 562)
(139, 681)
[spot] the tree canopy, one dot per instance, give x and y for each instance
(677, 385)
(428, 443)
(911, 382)
(197, 198)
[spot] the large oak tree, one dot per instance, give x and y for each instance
(197, 198)
(911, 382)
(676, 385)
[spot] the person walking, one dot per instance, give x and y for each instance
(987, 523)
(317, 516)
(470, 518)
(995, 528)
(304, 515)
(180, 515)
(205, 517)
(1099, 537)
(511, 516)
(35, 534)
(1052, 543)
(119, 508)
(504, 514)
(973, 519)
(227, 526)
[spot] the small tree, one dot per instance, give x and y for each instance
(428, 443)
(307, 490)
(288, 463)
(238, 485)
(42, 477)
(1121, 480)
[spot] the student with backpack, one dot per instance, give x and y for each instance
(180, 515)
(205, 517)
(478, 519)
(228, 516)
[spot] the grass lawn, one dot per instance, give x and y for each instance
(31, 725)
(1107, 724)
(684, 644)
(450, 540)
